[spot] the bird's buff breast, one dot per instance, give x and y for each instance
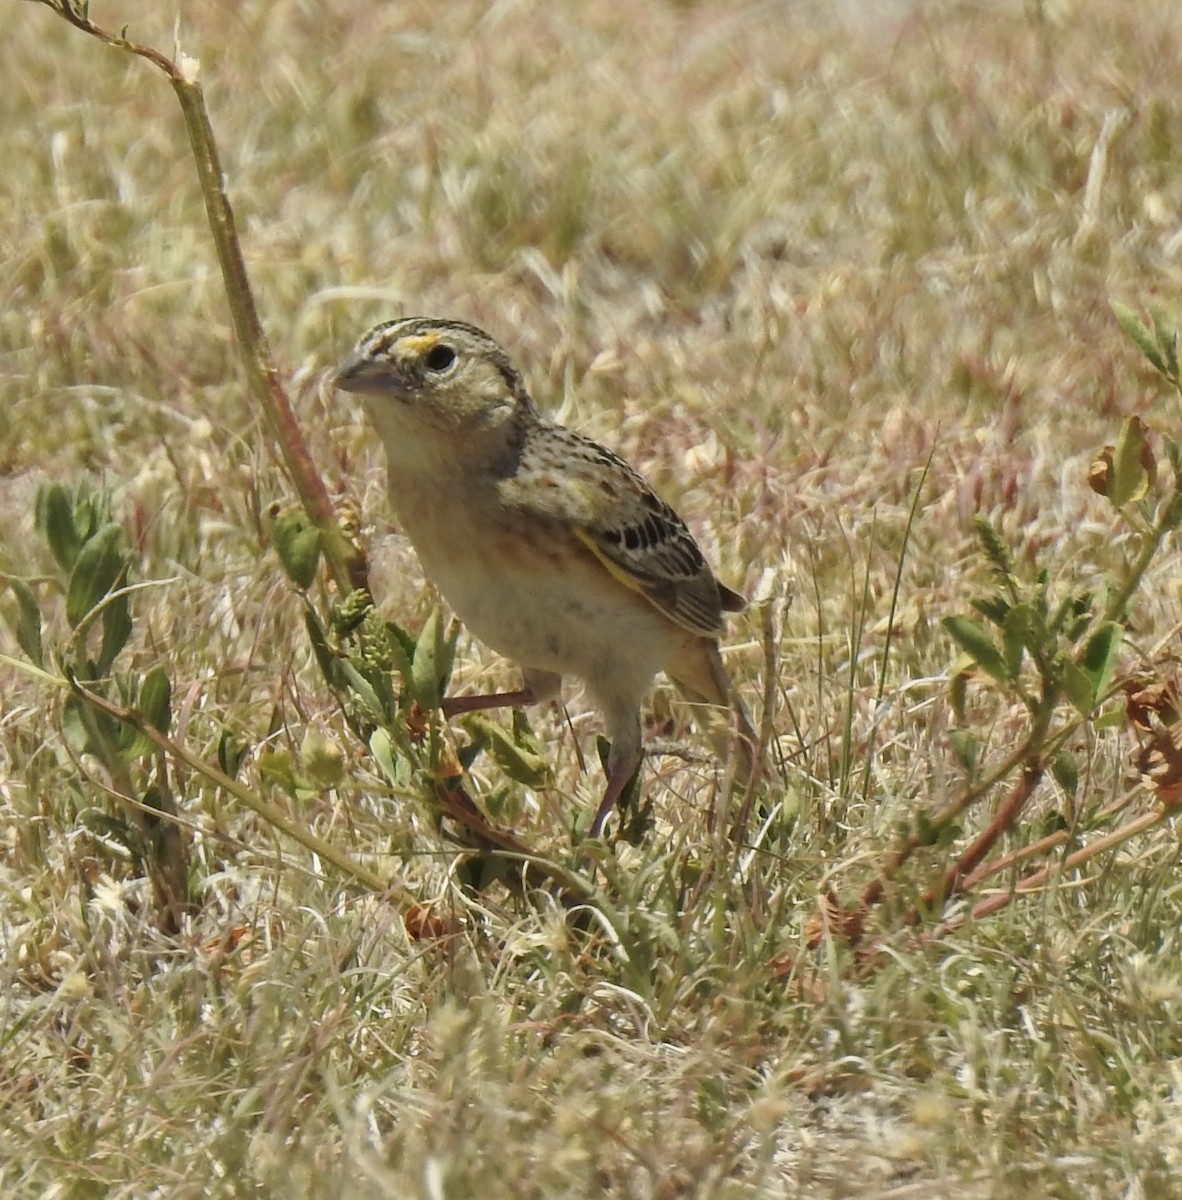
(536, 596)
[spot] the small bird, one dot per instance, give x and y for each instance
(550, 548)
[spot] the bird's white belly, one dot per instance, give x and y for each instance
(553, 624)
(553, 621)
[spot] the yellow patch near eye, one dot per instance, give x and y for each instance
(418, 344)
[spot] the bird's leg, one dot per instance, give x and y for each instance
(539, 686)
(454, 706)
(622, 762)
(617, 781)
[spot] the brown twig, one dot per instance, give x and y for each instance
(1043, 845)
(1037, 879)
(566, 886)
(953, 883)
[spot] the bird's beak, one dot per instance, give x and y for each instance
(361, 373)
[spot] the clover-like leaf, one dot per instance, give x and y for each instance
(974, 640)
(27, 625)
(155, 702)
(1132, 464)
(297, 542)
(96, 572)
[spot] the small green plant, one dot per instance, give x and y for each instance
(390, 685)
(1054, 653)
(92, 580)
(117, 714)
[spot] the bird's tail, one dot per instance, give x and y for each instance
(703, 676)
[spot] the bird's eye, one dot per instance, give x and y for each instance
(440, 357)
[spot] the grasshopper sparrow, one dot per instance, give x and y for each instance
(549, 548)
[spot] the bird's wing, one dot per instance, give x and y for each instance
(637, 537)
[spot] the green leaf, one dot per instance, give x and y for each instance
(402, 653)
(230, 754)
(116, 836)
(276, 767)
(28, 621)
(297, 542)
(629, 804)
(54, 520)
(74, 727)
(1111, 717)
(156, 699)
(973, 639)
(1130, 480)
(1099, 656)
(524, 735)
(482, 871)
(431, 667)
(1077, 683)
(1066, 772)
(1174, 454)
(330, 665)
(1141, 334)
(97, 568)
(503, 804)
(1167, 341)
(116, 631)
(1072, 616)
(517, 761)
(1171, 517)
(965, 747)
(381, 746)
(924, 831)
(89, 731)
(322, 758)
(91, 513)
(1016, 635)
(130, 745)
(993, 608)
(377, 701)
(959, 687)
(467, 754)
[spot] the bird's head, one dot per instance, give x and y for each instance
(435, 374)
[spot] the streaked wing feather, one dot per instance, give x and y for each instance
(649, 543)
(634, 533)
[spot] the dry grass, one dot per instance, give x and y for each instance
(778, 255)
